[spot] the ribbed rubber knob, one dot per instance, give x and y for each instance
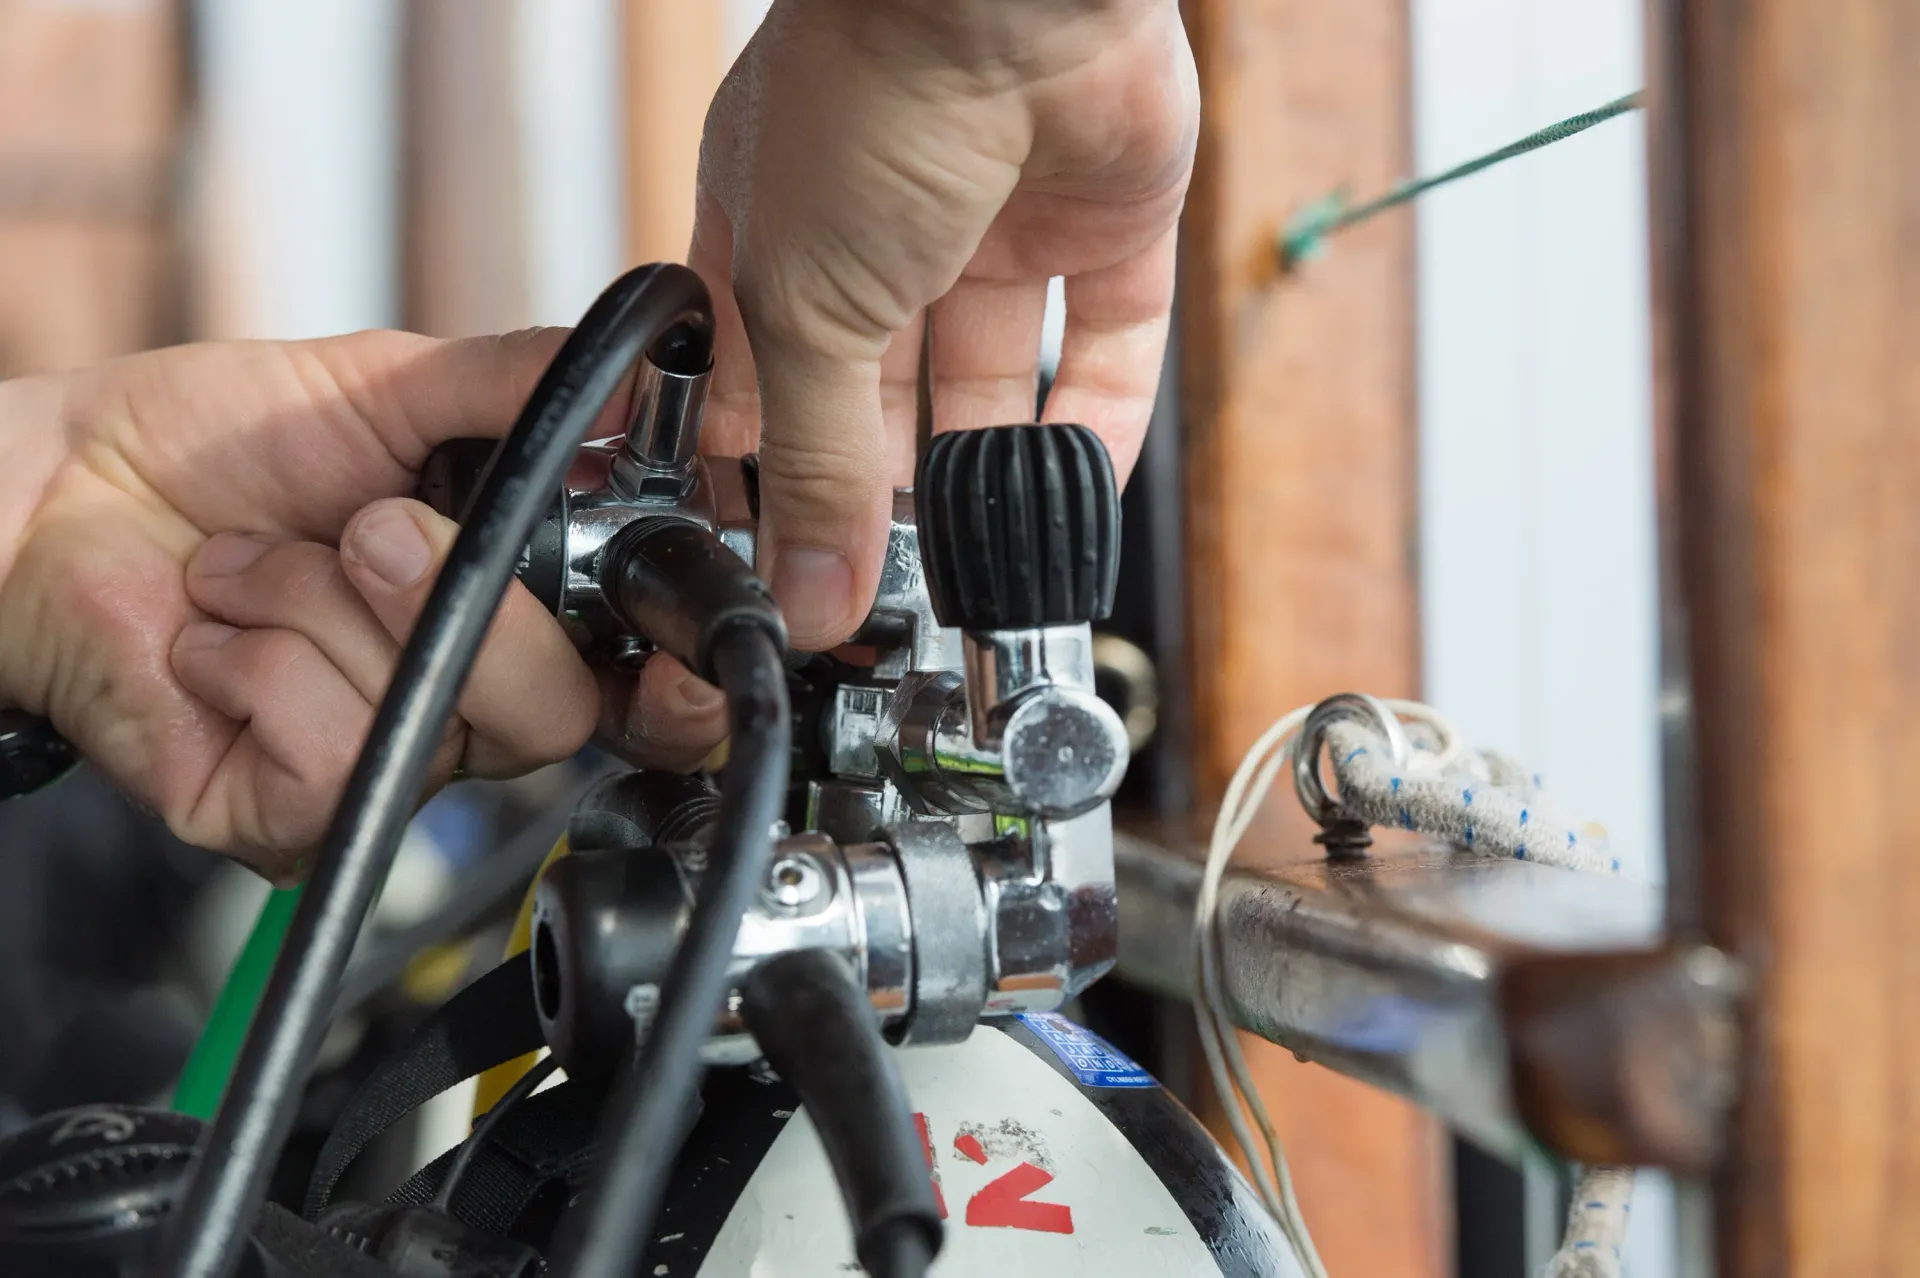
(1019, 527)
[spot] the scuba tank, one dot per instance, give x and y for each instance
(1053, 1154)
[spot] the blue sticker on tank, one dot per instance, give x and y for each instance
(1090, 1058)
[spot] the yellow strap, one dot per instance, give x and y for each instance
(496, 1082)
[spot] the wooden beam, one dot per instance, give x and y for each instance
(1787, 224)
(672, 68)
(90, 116)
(1298, 407)
(465, 254)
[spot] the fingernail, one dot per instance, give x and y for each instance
(200, 635)
(700, 696)
(390, 543)
(815, 589)
(226, 554)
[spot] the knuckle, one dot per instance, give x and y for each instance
(298, 575)
(271, 655)
(818, 299)
(829, 477)
(332, 760)
(568, 726)
(548, 730)
(525, 351)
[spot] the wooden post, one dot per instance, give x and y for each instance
(90, 115)
(672, 68)
(465, 252)
(1787, 223)
(1298, 399)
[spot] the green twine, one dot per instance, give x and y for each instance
(1306, 232)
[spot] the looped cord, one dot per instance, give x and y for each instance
(1397, 764)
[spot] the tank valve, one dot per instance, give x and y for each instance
(1020, 535)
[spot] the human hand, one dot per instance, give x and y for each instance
(873, 171)
(194, 588)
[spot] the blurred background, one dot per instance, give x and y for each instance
(230, 168)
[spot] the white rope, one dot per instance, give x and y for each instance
(1479, 801)
(1483, 803)
(1596, 1225)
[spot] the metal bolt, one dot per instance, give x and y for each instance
(795, 881)
(643, 1004)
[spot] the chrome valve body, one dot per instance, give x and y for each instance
(955, 838)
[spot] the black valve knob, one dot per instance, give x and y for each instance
(1019, 527)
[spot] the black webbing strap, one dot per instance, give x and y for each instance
(490, 1022)
(305, 1250)
(547, 1138)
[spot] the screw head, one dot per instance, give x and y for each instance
(794, 881)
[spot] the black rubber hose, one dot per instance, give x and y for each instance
(647, 1119)
(223, 1196)
(811, 1017)
(898, 1249)
(680, 586)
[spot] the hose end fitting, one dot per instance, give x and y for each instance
(679, 586)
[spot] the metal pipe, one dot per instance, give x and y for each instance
(1520, 1003)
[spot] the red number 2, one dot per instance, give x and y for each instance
(1002, 1202)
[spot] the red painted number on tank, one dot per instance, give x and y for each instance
(1002, 1203)
(926, 1147)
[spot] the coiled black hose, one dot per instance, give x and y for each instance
(223, 1197)
(647, 1118)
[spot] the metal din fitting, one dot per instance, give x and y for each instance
(656, 460)
(1021, 734)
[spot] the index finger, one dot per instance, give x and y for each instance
(1111, 352)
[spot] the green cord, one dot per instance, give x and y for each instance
(204, 1080)
(1305, 234)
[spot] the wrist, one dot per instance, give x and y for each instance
(33, 444)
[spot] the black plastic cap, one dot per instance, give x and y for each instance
(1019, 527)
